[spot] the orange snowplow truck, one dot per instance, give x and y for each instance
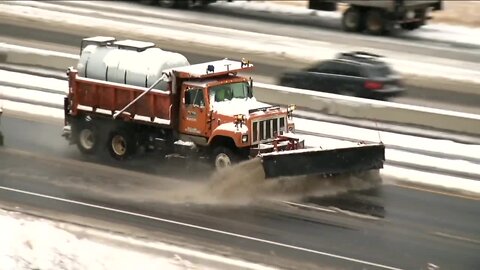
(126, 95)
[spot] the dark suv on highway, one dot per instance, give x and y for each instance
(358, 74)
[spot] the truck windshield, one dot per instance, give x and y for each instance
(229, 91)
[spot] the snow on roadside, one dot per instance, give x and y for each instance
(18, 78)
(446, 147)
(35, 243)
(29, 243)
(431, 179)
(442, 32)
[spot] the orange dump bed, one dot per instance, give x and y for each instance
(108, 97)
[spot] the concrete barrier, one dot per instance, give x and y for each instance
(19, 55)
(352, 107)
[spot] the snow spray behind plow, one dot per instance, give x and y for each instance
(246, 183)
(313, 173)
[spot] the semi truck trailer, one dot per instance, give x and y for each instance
(380, 16)
(372, 16)
(127, 95)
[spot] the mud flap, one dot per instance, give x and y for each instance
(317, 161)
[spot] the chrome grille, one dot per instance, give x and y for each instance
(265, 130)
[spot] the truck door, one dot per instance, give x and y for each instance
(193, 113)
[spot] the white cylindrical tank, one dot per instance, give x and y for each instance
(126, 66)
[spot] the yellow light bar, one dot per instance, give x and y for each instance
(240, 118)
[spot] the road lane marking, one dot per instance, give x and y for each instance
(356, 215)
(456, 237)
(323, 209)
(202, 228)
(332, 210)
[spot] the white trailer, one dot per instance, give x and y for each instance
(376, 17)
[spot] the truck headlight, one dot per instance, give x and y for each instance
(244, 138)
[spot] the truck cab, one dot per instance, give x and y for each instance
(218, 111)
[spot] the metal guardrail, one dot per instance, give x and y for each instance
(352, 107)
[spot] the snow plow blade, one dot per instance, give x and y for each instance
(317, 161)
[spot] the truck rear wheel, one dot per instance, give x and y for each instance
(223, 157)
(352, 20)
(88, 137)
(121, 144)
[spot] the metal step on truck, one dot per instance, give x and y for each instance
(129, 95)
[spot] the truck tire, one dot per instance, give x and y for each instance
(87, 137)
(121, 144)
(352, 20)
(376, 22)
(224, 157)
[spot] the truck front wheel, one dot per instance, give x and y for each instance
(223, 157)
(121, 144)
(87, 138)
